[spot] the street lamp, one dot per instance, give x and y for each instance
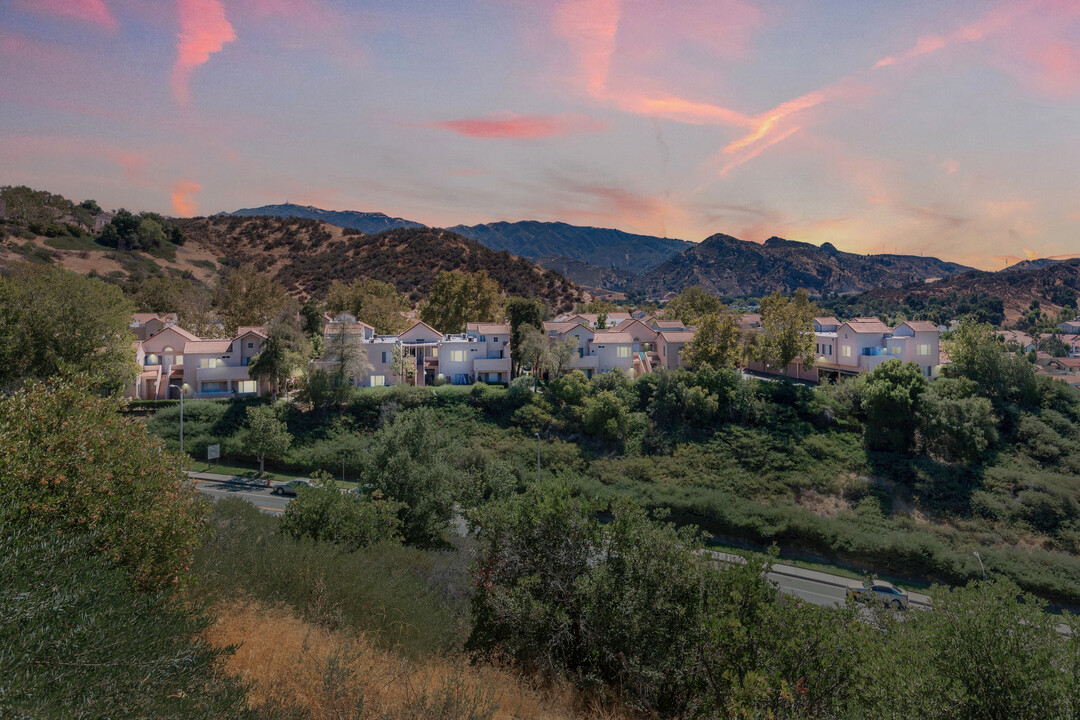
(537, 457)
(181, 389)
(979, 558)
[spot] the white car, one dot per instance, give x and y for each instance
(893, 596)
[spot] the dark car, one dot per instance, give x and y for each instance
(887, 593)
(291, 488)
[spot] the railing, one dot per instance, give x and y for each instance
(491, 365)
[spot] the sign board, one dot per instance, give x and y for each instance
(213, 452)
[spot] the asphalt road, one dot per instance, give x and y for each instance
(261, 497)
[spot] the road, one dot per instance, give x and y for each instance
(217, 486)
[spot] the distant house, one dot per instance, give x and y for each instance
(101, 220)
(1066, 370)
(146, 325)
(1070, 326)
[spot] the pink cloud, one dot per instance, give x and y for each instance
(512, 126)
(182, 202)
(91, 11)
(950, 166)
(591, 26)
(204, 30)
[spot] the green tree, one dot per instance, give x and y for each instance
(530, 350)
(558, 358)
(246, 297)
(605, 416)
(266, 434)
(353, 520)
(70, 458)
(522, 313)
(787, 330)
(955, 424)
(284, 354)
(715, 344)
(691, 305)
(890, 398)
(311, 315)
(409, 464)
(1054, 346)
(457, 298)
(976, 354)
(374, 302)
(402, 364)
(53, 321)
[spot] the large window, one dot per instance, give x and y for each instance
(214, 387)
(924, 349)
(845, 350)
(378, 380)
(246, 386)
(457, 356)
(622, 351)
(209, 362)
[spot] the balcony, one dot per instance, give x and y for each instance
(224, 372)
(589, 362)
(495, 365)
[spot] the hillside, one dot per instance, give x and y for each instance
(728, 266)
(582, 273)
(307, 255)
(1052, 284)
(365, 222)
(602, 247)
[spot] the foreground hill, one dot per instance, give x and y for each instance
(365, 222)
(602, 247)
(725, 265)
(307, 255)
(1052, 284)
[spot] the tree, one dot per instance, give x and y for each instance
(955, 424)
(890, 398)
(715, 344)
(409, 464)
(558, 358)
(284, 354)
(1054, 346)
(374, 302)
(531, 349)
(266, 434)
(311, 315)
(522, 313)
(605, 416)
(351, 519)
(457, 298)
(246, 297)
(53, 321)
(71, 460)
(976, 354)
(402, 364)
(692, 304)
(787, 330)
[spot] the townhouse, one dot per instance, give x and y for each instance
(633, 345)
(174, 360)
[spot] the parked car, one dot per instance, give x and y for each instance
(893, 596)
(291, 488)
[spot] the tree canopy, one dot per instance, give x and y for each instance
(458, 298)
(787, 330)
(715, 344)
(374, 302)
(691, 305)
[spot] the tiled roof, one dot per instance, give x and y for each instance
(487, 328)
(670, 324)
(562, 326)
(610, 336)
(826, 320)
(864, 325)
(921, 325)
(208, 346)
(259, 330)
(677, 335)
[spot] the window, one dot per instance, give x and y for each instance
(251, 345)
(246, 386)
(622, 352)
(152, 359)
(434, 352)
(845, 350)
(377, 380)
(924, 349)
(209, 363)
(482, 339)
(457, 356)
(494, 339)
(213, 387)
(178, 360)
(580, 351)
(384, 357)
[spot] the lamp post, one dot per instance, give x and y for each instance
(181, 389)
(983, 567)
(537, 458)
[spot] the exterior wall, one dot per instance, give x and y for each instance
(670, 353)
(607, 356)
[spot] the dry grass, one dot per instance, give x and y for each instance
(827, 506)
(320, 673)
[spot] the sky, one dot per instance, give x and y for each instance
(925, 127)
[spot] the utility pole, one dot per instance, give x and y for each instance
(181, 389)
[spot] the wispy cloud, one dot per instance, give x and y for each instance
(513, 126)
(204, 30)
(91, 11)
(182, 202)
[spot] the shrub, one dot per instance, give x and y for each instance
(350, 519)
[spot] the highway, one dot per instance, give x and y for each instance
(219, 486)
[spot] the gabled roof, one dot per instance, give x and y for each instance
(487, 328)
(868, 325)
(259, 330)
(827, 320)
(213, 347)
(677, 335)
(618, 316)
(920, 325)
(564, 326)
(190, 337)
(421, 324)
(610, 336)
(669, 324)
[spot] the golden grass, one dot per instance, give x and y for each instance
(339, 674)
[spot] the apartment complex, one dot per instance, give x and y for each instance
(174, 360)
(634, 345)
(860, 345)
(480, 354)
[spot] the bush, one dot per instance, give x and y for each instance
(350, 519)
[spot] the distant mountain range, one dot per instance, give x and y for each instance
(725, 265)
(366, 222)
(660, 267)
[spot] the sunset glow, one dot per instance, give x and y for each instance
(948, 129)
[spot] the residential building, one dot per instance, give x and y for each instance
(1071, 326)
(632, 346)
(1066, 370)
(592, 320)
(146, 325)
(173, 358)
